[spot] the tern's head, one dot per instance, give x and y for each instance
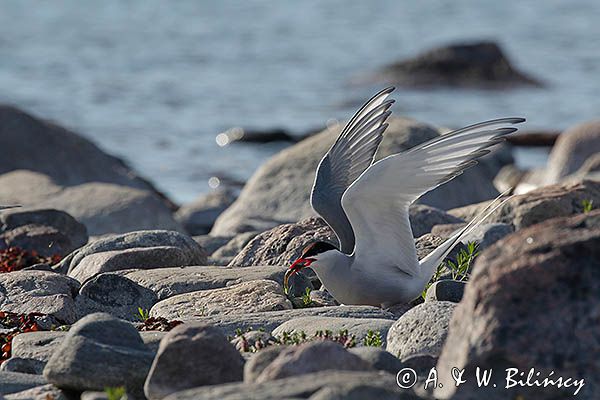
(310, 255)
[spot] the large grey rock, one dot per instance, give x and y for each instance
(100, 351)
(233, 247)
(168, 282)
(142, 250)
(30, 143)
(270, 320)
(210, 243)
(359, 327)
(102, 207)
(279, 191)
(243, 298)
(538, 205)
(295, 387)
(469, 64)
(13, 382)
(115, 295)
(421, 330)
(48, 232)
(312, 357)
(446, 290)
(45, 392)
(192, 355)
(424, 217)
(535, 306)
(572, 148)
(257, 363)
(379, 359)
(39, 291)
(199, 216)
(283, 244)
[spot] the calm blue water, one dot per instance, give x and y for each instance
(155, 81)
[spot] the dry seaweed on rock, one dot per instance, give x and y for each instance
(13, 324)
(15, 259)
(157, 324)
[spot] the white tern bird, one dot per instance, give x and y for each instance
(366, 204)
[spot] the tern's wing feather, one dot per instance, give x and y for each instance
(377, 202)
(346, 160)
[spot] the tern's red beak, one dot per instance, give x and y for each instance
(297, 266)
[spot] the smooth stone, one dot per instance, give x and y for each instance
(446, 290)
(538, 205)
(39, 291)
(233, 247)
(424, 217)
(46, 231)
(247, 297)
(168, 282)
(199, 216)
(283, 244)
(312, 357)
(257, 363)
(379, 359)
(421, 330)
(190, 356)
(115, 295)
(301, 386)
(210, 243)
(359, 327)
(45, 392)
(270, 320)
(571, 150)
(100, 340)
(533, 306)
(23, 365)
(140, 249)
(13, 382)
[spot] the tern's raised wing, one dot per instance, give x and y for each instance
(377, 202)
(350, 156)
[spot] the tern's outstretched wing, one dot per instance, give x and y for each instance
(350, 156)
(377, 202)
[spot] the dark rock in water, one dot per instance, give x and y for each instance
(573, 147)
(421, 330)
(142, 250)
(423, 218)
(279, 191)
(534, 305)
(446, 290)
(529, 138)
(12, 382)
(33, 144)
(115, 295)
(102, 207)
(48, 232)
(39, 292)
(283, 244)
(301, 387)
(199, 216)
(312, 357)
(470, 64)
(190, 356)
(100, 351)
(538, 205)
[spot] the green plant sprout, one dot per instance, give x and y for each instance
(306, 301)
(143, 314)
(116, 393)
(373, 339)
(588, 205)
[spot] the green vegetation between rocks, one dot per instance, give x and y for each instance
(588, 205)
(116, 393)
(459, 270)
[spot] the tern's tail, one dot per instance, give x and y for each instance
(430, 263)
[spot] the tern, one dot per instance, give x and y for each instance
(366, 204)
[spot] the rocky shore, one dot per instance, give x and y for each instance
(107, 287)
